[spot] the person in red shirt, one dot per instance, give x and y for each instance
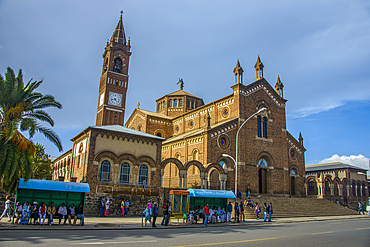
(206, 214)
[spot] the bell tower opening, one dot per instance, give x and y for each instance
(114, 79)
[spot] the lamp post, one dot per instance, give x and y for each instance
(236, 154)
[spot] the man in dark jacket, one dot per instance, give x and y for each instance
(270, 211)
(229, 211)
(165, 214)
(154, 214)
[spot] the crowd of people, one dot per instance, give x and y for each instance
(28, 214)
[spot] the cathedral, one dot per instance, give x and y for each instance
(186, 142)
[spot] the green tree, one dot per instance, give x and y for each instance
(41, 162)
(21, 109)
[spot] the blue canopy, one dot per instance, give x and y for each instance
(212, 193)
(36, 184)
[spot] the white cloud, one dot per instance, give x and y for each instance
(356, 160)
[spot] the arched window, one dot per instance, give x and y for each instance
(104, 171)
(262, 163)
(159, 134)
(359, 190)
(192, 104)
(163, 104)
(124, 177)
(175, 103)
(170, 104)
(180, 102)
(159, 107)
(292, 172)
(195, 154)
(363, 190)
(143, 174)
(264, 127)
(259, 126)
(196, 104)
(223, 164)
(353, 188)
(188, 103)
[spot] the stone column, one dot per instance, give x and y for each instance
(305, 188)
(361, 191)
(223, 178)
(355, 191)
(347, 190)
(332, 189)
(162, 174)
(180, 184)
(182, 174)
(340, 190)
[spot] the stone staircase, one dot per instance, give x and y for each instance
(297, 207)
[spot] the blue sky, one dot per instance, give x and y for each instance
(320, 49)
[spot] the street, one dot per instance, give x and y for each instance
(354, 232)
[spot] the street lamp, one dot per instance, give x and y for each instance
(236, 154)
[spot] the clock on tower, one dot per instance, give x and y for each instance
(114, 79)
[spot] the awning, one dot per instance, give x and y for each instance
(212, 193)
(36, 184)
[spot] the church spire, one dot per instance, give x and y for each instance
(238, 72)
(259, 68)
(300, 139)
(119, 33)
(279, 87)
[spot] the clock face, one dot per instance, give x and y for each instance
(115, 99)
(101, 100)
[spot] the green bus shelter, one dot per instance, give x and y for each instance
(214, 198)
(51, 191)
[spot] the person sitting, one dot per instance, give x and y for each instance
(34, 213)
(62, 213)
(42, 213)
(51, 212)
(18, 212)
(72, 214)
(79, 214)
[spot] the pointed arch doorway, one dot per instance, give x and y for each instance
(262, 176)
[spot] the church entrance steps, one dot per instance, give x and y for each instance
(285, 206)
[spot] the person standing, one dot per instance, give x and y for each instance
(155, 213)
(148, 214)
(270, 211)
(257, 210)
(165, 214)
(7, 209)
(242, 211)
(123, 208)
(265, 211)
(106, 208)
(237, 212)
(206, 214)
(101, 206)
(127, 206)
(51, 212)
(229, 211)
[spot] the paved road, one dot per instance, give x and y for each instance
(325, 233)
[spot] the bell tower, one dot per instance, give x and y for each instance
(114, 79)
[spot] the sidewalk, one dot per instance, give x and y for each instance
(134, 223)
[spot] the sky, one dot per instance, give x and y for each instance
(320, 50)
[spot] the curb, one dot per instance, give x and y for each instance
(118, 227)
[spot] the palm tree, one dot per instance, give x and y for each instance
(21, 109)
